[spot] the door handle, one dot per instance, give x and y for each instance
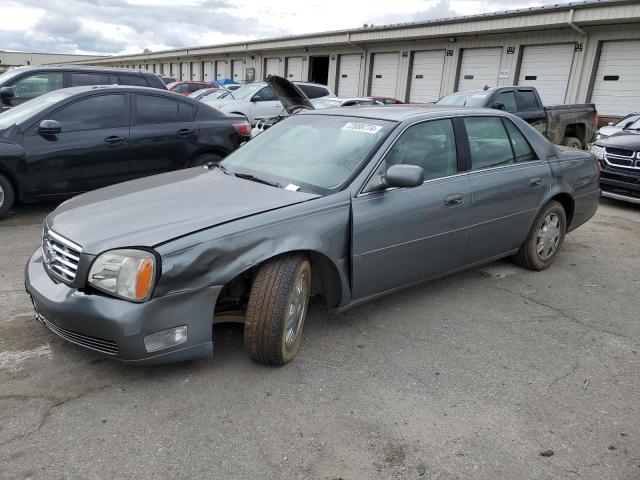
(535, 182)
(184, 132)
(114, 140)
(454, 200)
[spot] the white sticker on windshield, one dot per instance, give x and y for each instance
(292, 187)
(361, 127)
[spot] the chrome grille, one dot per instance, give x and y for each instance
(94, 343)
(617, 157)
(61, 256)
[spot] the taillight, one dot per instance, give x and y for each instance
(243, 129)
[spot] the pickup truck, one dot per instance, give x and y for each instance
(569, 125)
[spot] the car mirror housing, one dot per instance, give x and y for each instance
(498, 106)
(403, 176)
(6, 92)
(49, 127)
(256, 98)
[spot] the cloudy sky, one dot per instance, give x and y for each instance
(129, 26)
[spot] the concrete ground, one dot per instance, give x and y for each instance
(472, 376)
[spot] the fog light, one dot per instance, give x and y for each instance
(165, 339)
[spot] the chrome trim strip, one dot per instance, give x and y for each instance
(64, 241)
(624, 198)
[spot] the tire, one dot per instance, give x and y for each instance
(550, 226)
(271, 334)
(572, 142)
(205, 159)
(7, 195)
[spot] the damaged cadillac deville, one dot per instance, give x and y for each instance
(343, 204)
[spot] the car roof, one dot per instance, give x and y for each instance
(401, 112)
(115, 88)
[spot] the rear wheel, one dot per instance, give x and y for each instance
(7, 195)
(572, 142)
(205, 159)
(277, 309)
(542, 245)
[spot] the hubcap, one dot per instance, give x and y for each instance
(548, 237)
(296, 308)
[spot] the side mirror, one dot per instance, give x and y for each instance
(498, 106)
(403, 176)
(256, 98)
(49, 127)
(6, 93)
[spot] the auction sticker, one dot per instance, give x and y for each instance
(361, 127)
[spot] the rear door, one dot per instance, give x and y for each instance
(508, 184)
(404, 235)
(90, 152)
(530, 109)
(164, 134)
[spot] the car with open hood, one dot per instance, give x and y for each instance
(347, 204)
(619, 157)
(628, 123)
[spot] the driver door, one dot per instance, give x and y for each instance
(404, 235)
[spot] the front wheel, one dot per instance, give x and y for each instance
(572, 142)
(277, 309)
(543, 243)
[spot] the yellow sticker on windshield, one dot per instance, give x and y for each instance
(361, 127)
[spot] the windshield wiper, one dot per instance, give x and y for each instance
(253, 178)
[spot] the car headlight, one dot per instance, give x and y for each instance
(127, 273)
(597, 151)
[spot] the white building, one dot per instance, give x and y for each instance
(576, 52)
(18, 59)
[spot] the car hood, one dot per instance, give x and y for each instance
(153, 210)
(624, 139)
(608, 130)
(289, 94)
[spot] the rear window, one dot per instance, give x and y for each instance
(312, 91)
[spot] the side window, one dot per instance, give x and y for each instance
(103, 111)
(488, 142)
(194, 87)
(430, 145)
(136, 80)
(80, 79)
(527, 101)
(267, 95)
(37, 84)
(508, 99)
(186, 113)
(312, 91)
(522, 149)
(151, 109)
(181, 88)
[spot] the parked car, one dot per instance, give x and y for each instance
(257, 101)
(570, 125)
(320, 103)
(387, 100)
(349, 204)
(619, 156)
(81, 138)
(186, 88)
(24, 83)
(166, 79)
(628, 122)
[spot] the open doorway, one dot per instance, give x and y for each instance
(319, 70)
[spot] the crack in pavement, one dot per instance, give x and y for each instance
(55, 403)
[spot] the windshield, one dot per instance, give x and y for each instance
(25, 110)
(468, 99)
(312, 152)
(628, 121)
(247, 90)
(635, 125)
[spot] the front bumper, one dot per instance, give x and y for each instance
(620, 184)
(116, 328)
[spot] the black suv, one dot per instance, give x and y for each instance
(24, 83)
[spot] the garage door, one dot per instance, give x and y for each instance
(175, 70)
(221, 70)
(271, 67)
(384, 74)
(166, 69)
(196, 68)
(236, 71)
(479, 67)
(208, 71)
(616, 90)
(294, 68)
(426, 76)
(547, 67)
(185, 74)
(349, 75)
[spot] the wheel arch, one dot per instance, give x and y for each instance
(13, 181)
